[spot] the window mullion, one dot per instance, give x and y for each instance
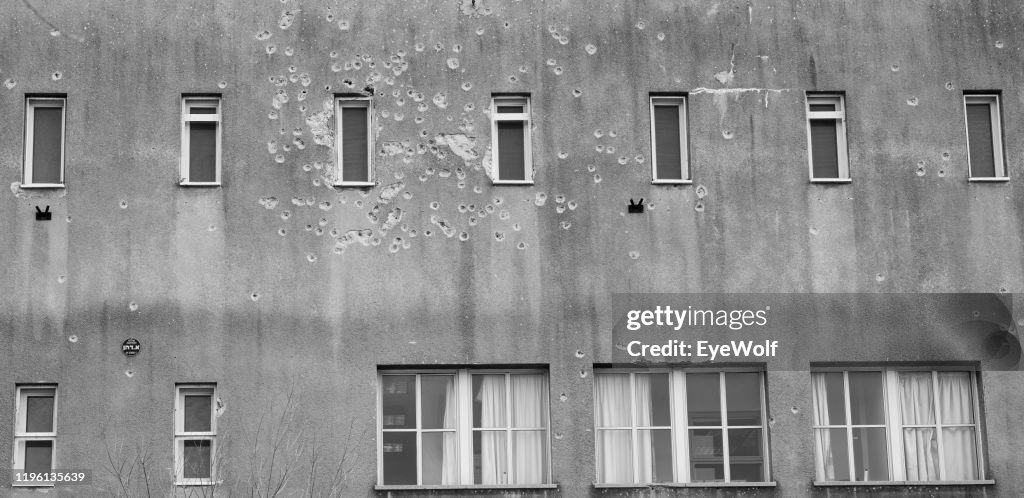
(938, 424)
(464, 425)
(723, 407)
(849, 427)
(419, 433)
(508, 429)
(894, 425)
(677, 395)
(632, 428)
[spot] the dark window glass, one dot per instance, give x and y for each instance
(399, 457)
(666, 139)
(510, 109)
(202, 154)
(511, 150)
(354, 157)
(202, 110)
(824, 148)
(197, 413)
(822, 107)
(39, 414)
(38, 456)
(197, 459)
(703, 402)
(979, 134)
(743, 398)
(399, 402)
(46, 144)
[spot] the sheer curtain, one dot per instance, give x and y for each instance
(614, 452)
(493, 465)
(528, 409)
(645, 453)
(450, 459)
(957, 407)
(823, 460)
(920, 448)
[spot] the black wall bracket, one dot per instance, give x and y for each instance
(636, 206)
(43, 215)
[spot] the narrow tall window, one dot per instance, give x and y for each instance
(195, 435)
(896, 425)
(44, 142)
(510, 139)
(984, 138)
(35, 428)
(668, 140)
(826, 135)
(200, 141)
(354, 143)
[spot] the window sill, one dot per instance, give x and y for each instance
(46, 484)
(42, 185)
(983, 482)
(986, 179)
(355, 185)
(767, 484)
(199, 184)
(672, 182)
(831, 180)
(513, 182)
(476, 487)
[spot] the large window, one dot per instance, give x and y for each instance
(200, 141)
(354, 143)
(668, 140)
(680, 426)
(896, 425)
(984, 137)
(464, 427)
(44, 142)
(826, 136)
(195, 435)
(35, 428)
(510, 139)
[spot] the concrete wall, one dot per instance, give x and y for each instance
(221, 285)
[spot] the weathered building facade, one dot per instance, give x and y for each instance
(301, 306)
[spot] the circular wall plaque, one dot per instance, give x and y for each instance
(131, 347)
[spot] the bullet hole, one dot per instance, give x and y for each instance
(504, 215)
(612, 133)
(1003, 290)
(385, 113)
(461, 184)
(453, 63)
(701, 191)
(337, 66)
(583, 374)
(129, 373)
(999, 44)
(610, 149)
(477, 189)
(344, 25)
(639, 158)
(572, 205)
(457, 48)
(333, 54)
(357, 65)
(286, 214)
(699, 207)
(211, 228)
(428, 233)
(282, 232)
(727, 134)
(467, 86)
(623, 160)
(517, 227)
(812, 231)
(540, 198)
(440, 100)
(920, 168)
(559, 209)
(263, 35)
(463, 236)
(68, 219)
(309, 226)
(795, 410)
(419, 47)
(565, 225)
(557, 70)
(61, 279)
(289, 51)
(597, 178)
(423, 178)
(559, 436)
(279, 158)
(945, 156)
(72, 338)
(942, 173)
(634, 254)
(641, 25)
(523, 69)
(133, 306)
(599, 147)
(311, 258)
(271, 49)
(56, 75)
(412, 233)
(123, 204)
(521, 246)
(912, 101)
(949, 85)
(650, 206)
(661, 36)
(513, 79)
(895, 68)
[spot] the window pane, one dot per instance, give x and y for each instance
(354, 143)
(824, 148)
(960, 453)
(921, 454)
(399, 402)
(440, 457)
(822, 107)
(743, 398)
(917, 404)
(489, 401)
(956, 404)
(438, 401)
(529, 460)
(655, 454)
(702, 399)
(529, 404)
(870, 454)
(202, 110)
(829, 398)
(979, 144)
(666, 139)
(38, 456)
(652, 400)
(46, 144)
(197, 459)
(202, 154)
(745, 455)
(510, 109)
(612, 396)
(867, 401)
(706, 455)
(399, 457)
(198, 413)
(490, 457)
(614, 457)
(39, 414)
(511, 150)
(832, 454)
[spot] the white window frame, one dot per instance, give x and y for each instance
(31, 103)
(21, 436)
(680, 428)
(199, 101)
(367, 103)
(180, 436)
(464, 425)
(894, 423)
(523, 117)
(992, 99)
(684, 150)
(839, 116)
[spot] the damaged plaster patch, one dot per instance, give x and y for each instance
(474, 8)
(319, 124)
(29, 194)
(220, 407)
(461, 145)
(390, 192)
(726, 77)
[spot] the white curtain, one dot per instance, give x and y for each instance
(823, 459)
(645, 453)
(920, 448)
(528, 408)
(614, 451)
(493, 456)
(450, 459)
(957, 407)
